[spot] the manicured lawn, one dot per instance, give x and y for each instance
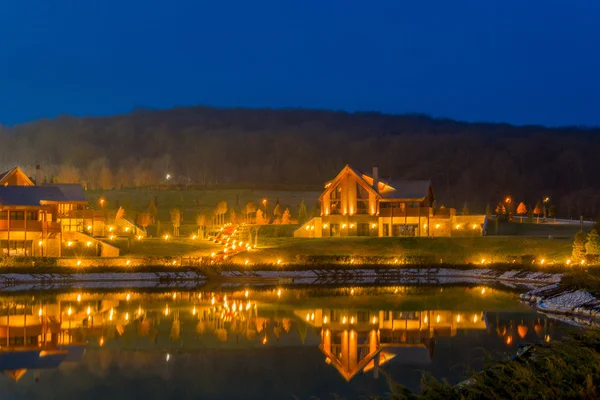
(450, 250)
(174, 247)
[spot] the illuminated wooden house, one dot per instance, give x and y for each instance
(36, 219)
(358, 204)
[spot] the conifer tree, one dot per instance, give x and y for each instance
(152, 210)
(175, 220)
(465, 210)
(592, 246)
(277, 210)
(522, 210)
(285, 218)
(538, 210)
(302, 213)
(579, 246)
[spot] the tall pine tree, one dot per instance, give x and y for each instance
(302, 216)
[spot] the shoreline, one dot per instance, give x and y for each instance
(559, 300)
(434, 276)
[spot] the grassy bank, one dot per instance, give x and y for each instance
(557, 370)
(192, 202)
(459, 250)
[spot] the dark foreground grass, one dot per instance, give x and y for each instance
(588, 279)
(567, 369)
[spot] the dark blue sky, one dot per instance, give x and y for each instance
(523, 62)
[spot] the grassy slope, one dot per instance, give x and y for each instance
(459, 250)
(172, 248)
(192, 202)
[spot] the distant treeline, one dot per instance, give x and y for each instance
(471, 163)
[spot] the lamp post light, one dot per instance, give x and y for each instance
(545, 202)
(264, 201)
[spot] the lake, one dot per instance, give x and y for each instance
(240, 342)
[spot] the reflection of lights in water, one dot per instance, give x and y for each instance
(40, 312)
(344, 320)
(325, 319)
(101, 342)
(167, 309)
(126, 316)
(264, 341)
(110, 315)
(89, 310)
(139, 310)
(374, 320)
(194, 311)
(352, 320)
(248, 306)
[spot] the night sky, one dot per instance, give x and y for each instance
(522, 62)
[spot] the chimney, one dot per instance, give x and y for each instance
(376, 178)
(38, 175)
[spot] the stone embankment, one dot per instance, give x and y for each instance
(559, 300)
(100, 280)
(400, 276)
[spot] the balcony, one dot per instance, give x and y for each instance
(32, 226)
(84, 214)
(407, 212)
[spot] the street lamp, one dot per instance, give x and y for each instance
(101, 202)
(265, 205)
(545, 206)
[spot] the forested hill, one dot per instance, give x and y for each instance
(472, 163)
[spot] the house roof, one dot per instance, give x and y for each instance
(35, 195)
(398, 189)
(15, 170)
(407, 189)
(71, 191)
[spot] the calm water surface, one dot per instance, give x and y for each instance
(253, 343)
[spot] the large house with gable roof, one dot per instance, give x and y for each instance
(38, 219)
(355, 203)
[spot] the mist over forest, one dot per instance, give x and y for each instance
(472, 163)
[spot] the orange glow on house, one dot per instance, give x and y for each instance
(372, 206)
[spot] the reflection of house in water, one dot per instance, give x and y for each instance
(43, 333)
(34, 342)
(363, 340)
